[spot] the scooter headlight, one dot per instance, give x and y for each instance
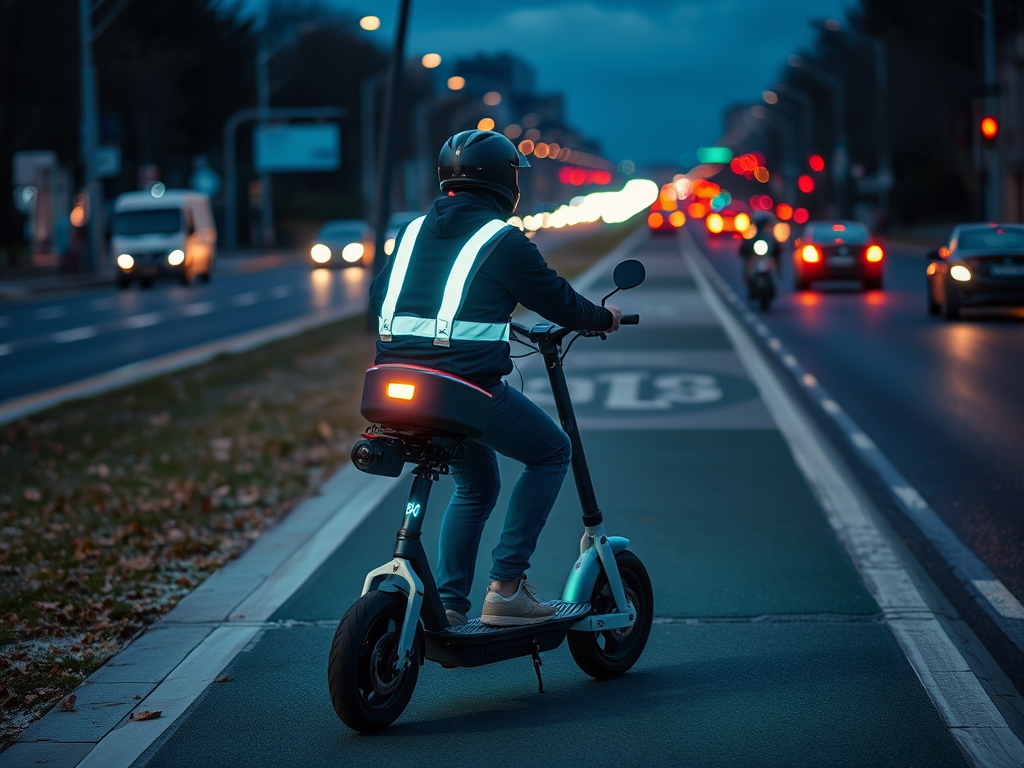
(125, 261)
(760, 247)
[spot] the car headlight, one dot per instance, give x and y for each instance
(176, 257)
(125, 261)
(389, 246)
(960, 273)
(352, 252)
(320, 253)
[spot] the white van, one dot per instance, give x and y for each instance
(172, 234)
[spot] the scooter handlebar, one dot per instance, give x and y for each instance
(629, 320)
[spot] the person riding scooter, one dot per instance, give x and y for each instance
(749, 249)
(444, 300)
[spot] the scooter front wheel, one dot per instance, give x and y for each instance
(367, 692)
(611, 653)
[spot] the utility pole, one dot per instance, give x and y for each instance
(96, 258)
(263, 104)
(386, 151)
(993, 206)
(840, 151)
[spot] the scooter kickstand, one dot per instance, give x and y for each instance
(537, 664)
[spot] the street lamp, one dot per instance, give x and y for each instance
(839, 149)
(877, 47)
(806, 109)
(789, 163)
(264, 54)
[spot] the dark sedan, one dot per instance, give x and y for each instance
(837, 250)
(981, 265)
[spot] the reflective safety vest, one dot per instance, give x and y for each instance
(443, 328)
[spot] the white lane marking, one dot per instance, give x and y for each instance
(910, 497)
(245, 299)
(281, 291)
(775, 344)
(4, 321)
(789, 361)
(6, 349)
(142, 321)
(862, 441)
(51, 313)
(1000, 597)
(808, 381)
(97, 305)
(831, 406)
(75, 334)
(356, 496)
(955, 691)
(197, 309)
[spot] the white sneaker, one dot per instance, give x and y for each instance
(520, 609)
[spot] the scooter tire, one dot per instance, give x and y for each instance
(610, 654)
(765, 301)
(367, 693)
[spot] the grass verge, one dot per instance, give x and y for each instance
(114, 508)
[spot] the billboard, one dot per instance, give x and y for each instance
(297, 147)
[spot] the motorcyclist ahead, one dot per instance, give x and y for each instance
(444, 300)
(749, 248)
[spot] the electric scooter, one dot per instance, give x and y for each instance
(762, 281)
(423, 416)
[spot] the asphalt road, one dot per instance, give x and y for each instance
(943, 400)
(49, 341)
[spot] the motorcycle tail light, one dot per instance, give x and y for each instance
(810, 254)
(397, 391)
(655, 220)
(677, 218)
(874, 253)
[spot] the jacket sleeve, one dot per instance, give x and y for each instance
(518, 265)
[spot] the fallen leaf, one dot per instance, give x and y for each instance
(325, 430)
(29, 698)
(145, 715)
(68, 705)
(33, 494)
(222, 678)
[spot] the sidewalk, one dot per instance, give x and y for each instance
(791, 628)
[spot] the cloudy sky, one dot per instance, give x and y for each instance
(649, 79)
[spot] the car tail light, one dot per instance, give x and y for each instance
(398, 391)
(714, 223)
(874, 253)
(810, 254)
(677, 218)
(655, 220)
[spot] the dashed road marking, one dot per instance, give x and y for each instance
(831, 406)
(142, 321)
(197, 309)
(862, 441)
(808, 380)
(75, 334)
(51, 313)
(910, 497)
(98, 305)
(4, 321)
(1000, 597)
(6, 349)
(245, 299)
(281, 291)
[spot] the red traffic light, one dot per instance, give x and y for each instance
(806, 184)
(989, 127)
(817, 163)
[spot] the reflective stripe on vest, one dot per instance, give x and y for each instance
(444, 327)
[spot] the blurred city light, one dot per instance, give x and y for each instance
(989, 127)
(176, 257)
(655, 220)
(761, 174)
(610, 207)
(810, 254)
(456, 83)
(486, 124)
(514, 131)
(715, 223)
(431, 60)
(741, 222)
(781, 231)
(677, 218)
(874, 253)
(353, 252)
(158, 189)
(817, 163)
(770, 97)
(716, 155)
(805, 184)
(320, 253)
(960, 273)
(627, 167)
(369, 23)
(125, 261)
(800, 215)
(526, 146)
(697, 210)
(784, 211)
(492, 98)
(542, 150)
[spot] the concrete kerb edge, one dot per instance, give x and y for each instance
(980, 730)
(226, 639)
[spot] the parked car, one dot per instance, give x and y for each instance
(167, 234)
(343, 243)
(837, 250)
(661, 221)
(980, 265)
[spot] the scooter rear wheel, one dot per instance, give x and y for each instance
(367, 692)
(609, 654)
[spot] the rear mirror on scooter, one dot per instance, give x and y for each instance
(629, 274)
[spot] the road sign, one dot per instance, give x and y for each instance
(305, 147)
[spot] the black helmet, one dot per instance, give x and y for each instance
(483, 159)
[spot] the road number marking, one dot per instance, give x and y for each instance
(625, 390)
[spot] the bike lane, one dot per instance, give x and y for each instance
(767, 647)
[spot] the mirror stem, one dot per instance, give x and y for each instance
(609, 296)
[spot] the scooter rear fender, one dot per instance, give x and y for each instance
(579, 586)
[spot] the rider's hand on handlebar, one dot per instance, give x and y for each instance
(616, 317)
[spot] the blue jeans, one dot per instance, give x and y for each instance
(517, 428)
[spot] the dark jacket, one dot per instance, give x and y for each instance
(512, 273)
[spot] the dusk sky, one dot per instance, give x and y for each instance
(649, 79)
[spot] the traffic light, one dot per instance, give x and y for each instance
(989, 130)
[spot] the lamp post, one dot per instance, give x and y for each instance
(788, 146)
(839, 146)
(877, 47)
(993, 207)
(807, 113)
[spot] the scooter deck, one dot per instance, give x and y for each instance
(474, 643)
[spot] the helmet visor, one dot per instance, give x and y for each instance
(523, 162)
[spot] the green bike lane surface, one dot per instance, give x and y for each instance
(766, 649)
